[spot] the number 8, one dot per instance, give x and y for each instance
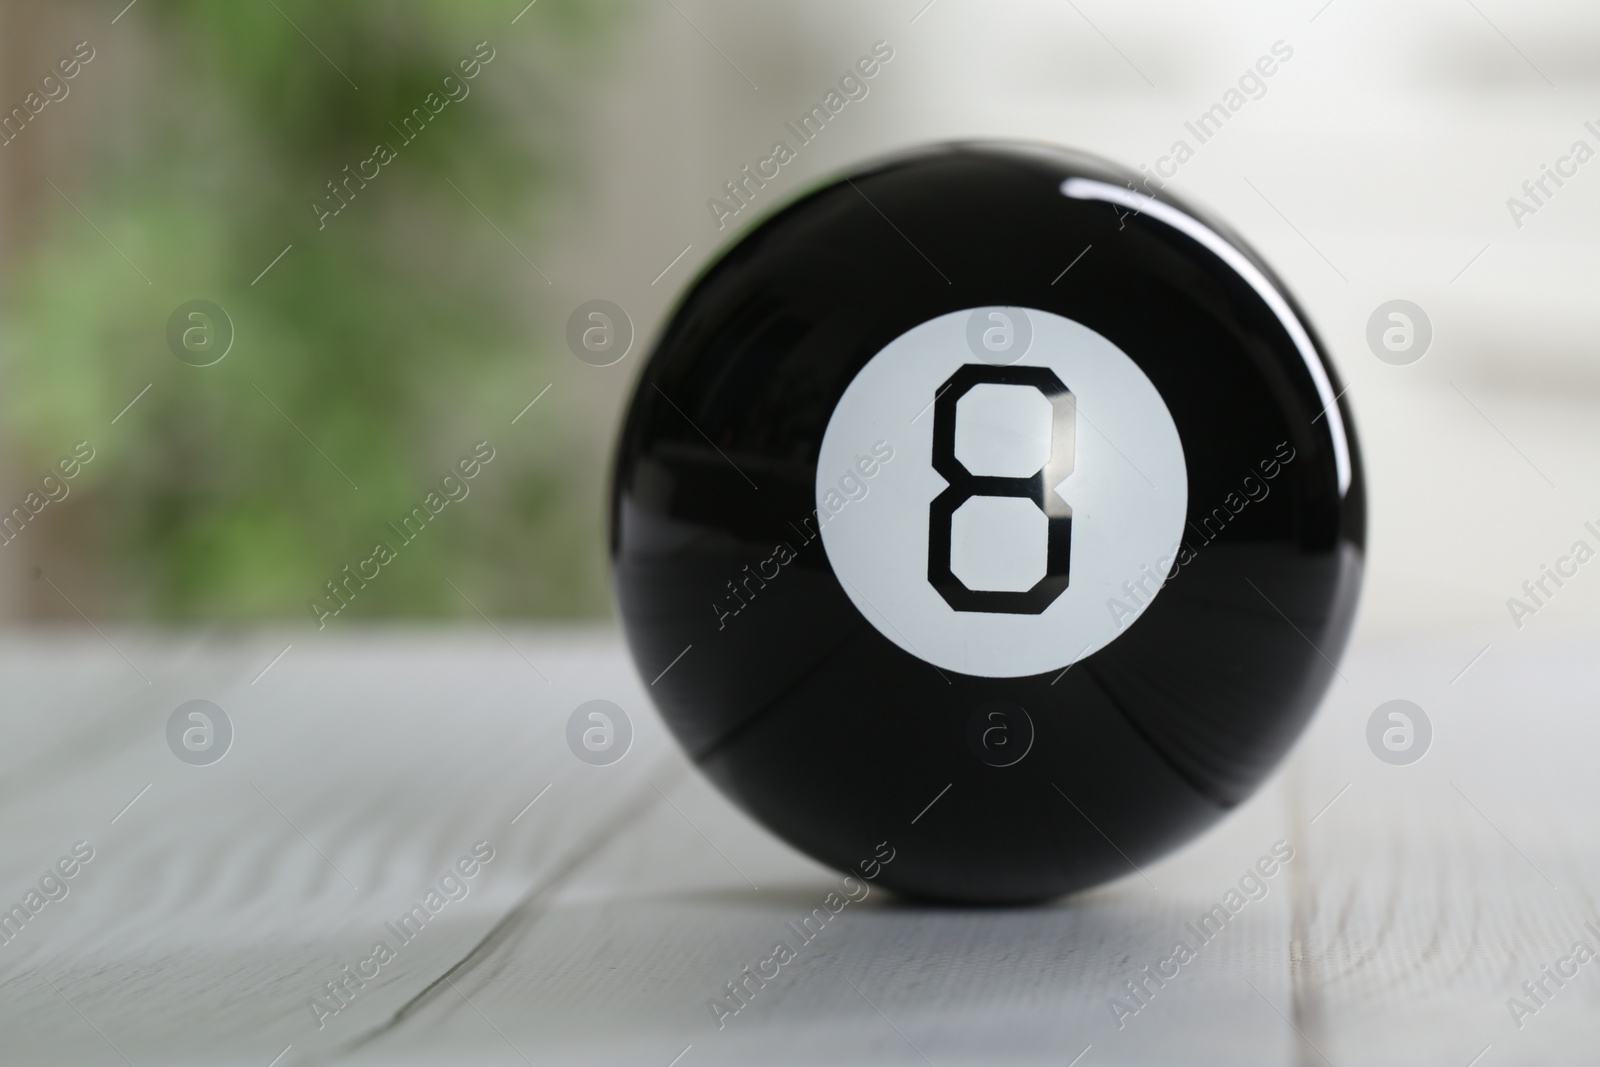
(1038, 487)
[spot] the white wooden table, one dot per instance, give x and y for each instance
(621, 902)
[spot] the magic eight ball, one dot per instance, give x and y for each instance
(993, 507)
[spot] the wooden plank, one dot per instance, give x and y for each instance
(1434, 890)
(620, 905)
(362, 767)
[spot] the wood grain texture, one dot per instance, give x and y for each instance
(620, 905)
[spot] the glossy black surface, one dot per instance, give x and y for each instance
(828, 732)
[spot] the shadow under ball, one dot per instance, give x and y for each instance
(984, 505)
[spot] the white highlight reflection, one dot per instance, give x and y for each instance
(1088, 189)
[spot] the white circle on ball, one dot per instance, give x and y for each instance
(1127, 491)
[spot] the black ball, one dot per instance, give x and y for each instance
(844, 566)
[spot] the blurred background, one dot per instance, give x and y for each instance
(369, 318)
(372, 349)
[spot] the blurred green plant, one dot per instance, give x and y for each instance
(394, 337)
